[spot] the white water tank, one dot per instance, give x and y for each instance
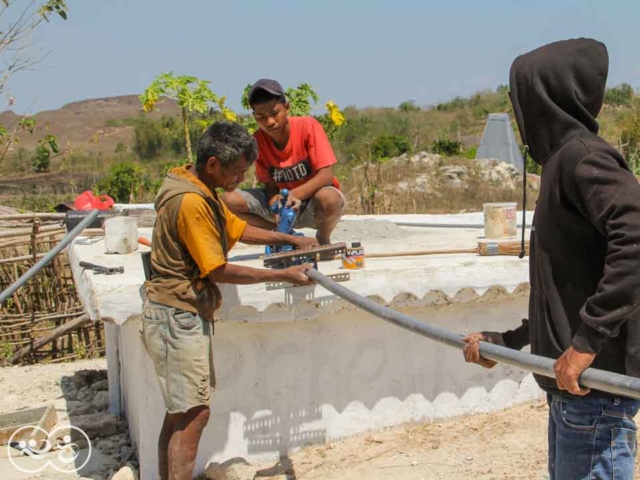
(121, 234)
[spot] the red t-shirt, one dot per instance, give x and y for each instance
(307, 151)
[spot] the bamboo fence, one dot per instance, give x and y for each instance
(46, 302)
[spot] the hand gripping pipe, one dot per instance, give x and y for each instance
(597, 379)
(49, 256)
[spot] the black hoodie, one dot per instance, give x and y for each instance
(585, 242)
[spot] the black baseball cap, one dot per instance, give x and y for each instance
(270, 86)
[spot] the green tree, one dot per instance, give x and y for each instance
(192, 95)
(164, 137)
(408, 106)
(456, 103)
(19, 21)
(148, 138)
(41, 157)
(300, 99)
(357, 135)
(124, 182)
(619, 96)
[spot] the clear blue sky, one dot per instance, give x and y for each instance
(355, 52)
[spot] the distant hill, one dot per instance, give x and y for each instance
(454, 128)
(82, 126)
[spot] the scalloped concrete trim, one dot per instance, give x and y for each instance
(331, 304)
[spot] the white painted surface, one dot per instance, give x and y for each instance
(301, 366)
(115, 298)
(121, 234)
(111, 332)
(453, 219)
(289, 384)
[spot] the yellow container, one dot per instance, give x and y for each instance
(353, 258)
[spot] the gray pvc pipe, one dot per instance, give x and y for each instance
(446, 225)
(49, 256)
(613, 383)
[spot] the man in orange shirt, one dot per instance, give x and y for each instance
(191, 238)
(293, 153)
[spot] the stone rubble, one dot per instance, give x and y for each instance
(87, 400)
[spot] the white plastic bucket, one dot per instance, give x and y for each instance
(500, 220)
(121, 234)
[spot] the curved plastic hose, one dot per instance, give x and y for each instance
(592, 378)
(49, 256)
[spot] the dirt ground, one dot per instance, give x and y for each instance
(510, 444)
(38, 385)
(43, 385)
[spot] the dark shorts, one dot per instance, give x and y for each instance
(256, 199)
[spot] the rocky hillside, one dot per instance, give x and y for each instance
(430, 183)
(84, 126)
(436, 170)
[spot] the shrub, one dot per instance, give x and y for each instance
(388, 146)
(124, 182)
(447, 147)
(619, 96)
(409, 106)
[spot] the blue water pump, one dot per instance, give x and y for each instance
(286, 220)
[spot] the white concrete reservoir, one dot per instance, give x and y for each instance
(300, 366)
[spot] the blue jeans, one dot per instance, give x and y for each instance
(591, 437)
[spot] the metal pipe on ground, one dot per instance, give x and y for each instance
(592, 378)
(49, 256)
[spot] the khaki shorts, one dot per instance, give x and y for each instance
(181, 349)
(256, 199)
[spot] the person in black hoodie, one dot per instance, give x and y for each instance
(584, 269)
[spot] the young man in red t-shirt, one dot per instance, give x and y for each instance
(293, 153)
